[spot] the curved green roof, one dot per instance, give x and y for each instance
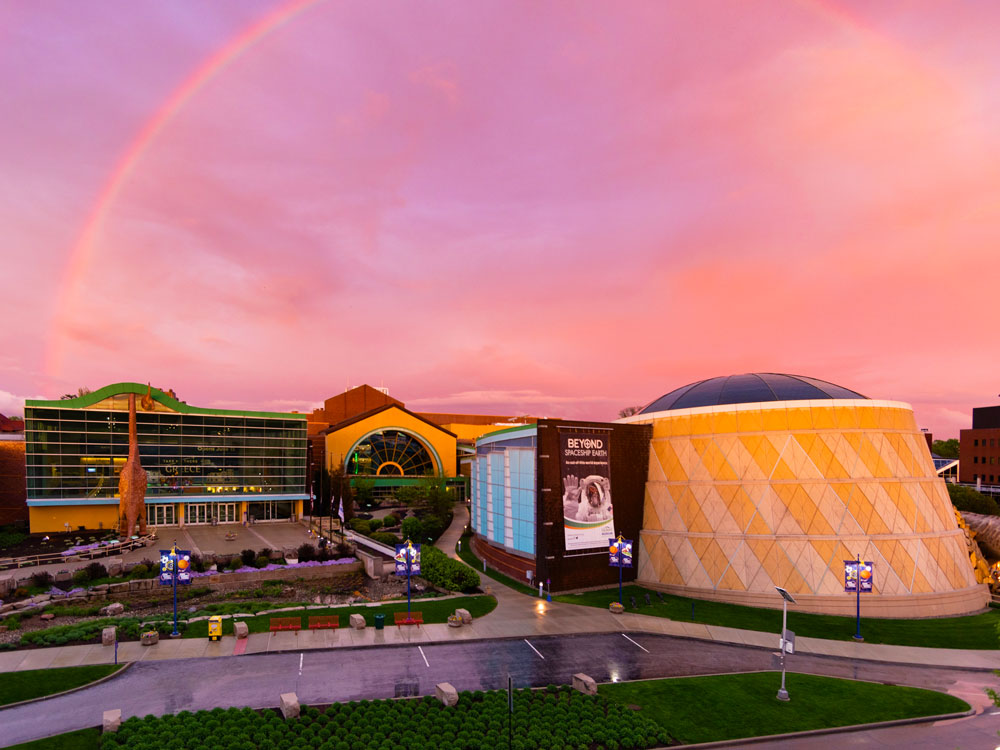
(118, 389)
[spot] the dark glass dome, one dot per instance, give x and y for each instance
(750, 388)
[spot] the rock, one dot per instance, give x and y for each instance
(113, 610)
(6, 585)
(41, 598)
(584, 684)
(358, 622)
(109, 636)
(464, 616)
(290, 705)
(616, 608)
(241, 629)
(192, 609)
(150, 638)
(47, 616)
(118, 588)
(101, 589)
(111, 721)
(446, 693)
(135, 585)
(115, 568)
(63, 576)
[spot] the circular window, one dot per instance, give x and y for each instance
(391, 453)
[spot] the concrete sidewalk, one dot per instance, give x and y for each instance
(516, 616)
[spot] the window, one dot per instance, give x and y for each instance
(975, 459)
(993, 442)
(975, 443)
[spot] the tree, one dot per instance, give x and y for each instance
(79, 392)
(628, 411)
(967, 499)
(945, 448)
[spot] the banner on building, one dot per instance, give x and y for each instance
(588, 516)
(167, 567)
(407, 553)
(851, 576)
(620, 552)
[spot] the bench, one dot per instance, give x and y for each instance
(321, 622)
(414, 618)
(286, 623)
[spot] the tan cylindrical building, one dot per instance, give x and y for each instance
(765, 480)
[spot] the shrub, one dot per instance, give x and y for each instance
(385, 538)
(265, 552)
(235, 564)
(360, 525)
(81, 577)
(139, 571)
(41, 580)
(263, 562)
(412, 529)
(440, 570)
(249, 557)
(95, 570)
(306, 553)
(971, 501)
(434, 526)
(13, 622)
(374, 525)
(390, 520)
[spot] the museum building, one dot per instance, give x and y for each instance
(732, 486)
(203, 465)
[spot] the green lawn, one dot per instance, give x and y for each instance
(469, 557)
(433, 612)
(22, 686)
(972, 632)
(82, 739)
(727, 707)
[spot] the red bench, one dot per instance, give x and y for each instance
(321, 622)
(286, 623)
(414, 618)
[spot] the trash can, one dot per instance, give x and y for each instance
(379, 622)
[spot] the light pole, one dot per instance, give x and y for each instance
(173, 577)
(786, 597)
(857, 589)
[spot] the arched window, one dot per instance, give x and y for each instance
(391, 453)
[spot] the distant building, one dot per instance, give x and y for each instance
(979, 448)
(13, 505)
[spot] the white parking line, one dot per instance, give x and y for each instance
(534, 649)
(631, 641)
(300, 665)
(423, 655)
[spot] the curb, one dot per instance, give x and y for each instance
(40, 698)
(827, 730)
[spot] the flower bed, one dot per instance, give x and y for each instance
(541, 719)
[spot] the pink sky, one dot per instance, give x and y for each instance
(556, 208)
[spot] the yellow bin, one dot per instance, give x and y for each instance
(214, 627)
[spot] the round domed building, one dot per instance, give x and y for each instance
(764, 480)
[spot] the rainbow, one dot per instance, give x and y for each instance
(81, 254)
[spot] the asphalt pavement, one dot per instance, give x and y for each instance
(320, 677)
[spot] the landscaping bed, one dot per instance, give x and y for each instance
(542, 720)
(729, 707)
(970, 632)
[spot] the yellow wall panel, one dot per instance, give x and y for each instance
(867, 417)
(723, 422)
(45, 520)
(750, 420)
(775, 420)
(847, 418)
(823, 418)
(799, 418)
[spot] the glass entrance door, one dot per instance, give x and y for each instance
(226, 512)
(197, 513)
(160, 515)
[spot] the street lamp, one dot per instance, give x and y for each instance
(786, 598)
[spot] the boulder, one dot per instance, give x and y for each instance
(113, 610)
(118, 588)
(109, 636)
(63, 576)
(150, 638)
(47, 616)
(115, 568)
(6, 585)
(464, 616)
(584, 684)
(100, 589)
(358, 622)
(111, 721)
(241, 629)
(135, 585)
(41, 598)
(446, 693)
(290, 705)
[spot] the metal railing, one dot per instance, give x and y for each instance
(49, 558)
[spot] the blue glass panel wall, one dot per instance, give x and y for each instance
(505, 512)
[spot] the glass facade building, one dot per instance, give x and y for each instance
(202, 465)
(503, 489)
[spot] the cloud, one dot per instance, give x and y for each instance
(12, 405)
